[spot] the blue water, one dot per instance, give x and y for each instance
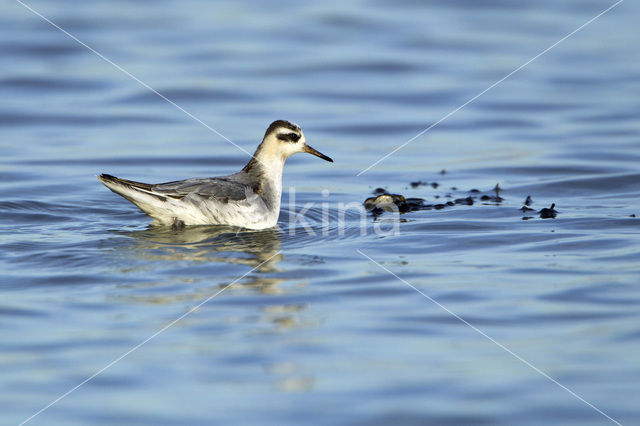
(312, 331)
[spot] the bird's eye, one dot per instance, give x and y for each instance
(289, 137)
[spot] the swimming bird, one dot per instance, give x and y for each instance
(249, 198)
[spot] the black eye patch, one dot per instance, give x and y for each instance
(289, 137)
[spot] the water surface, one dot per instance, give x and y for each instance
(311, 330)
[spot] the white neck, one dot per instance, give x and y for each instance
(271, 164)
(272, 168)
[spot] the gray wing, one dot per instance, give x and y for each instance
(220, 188)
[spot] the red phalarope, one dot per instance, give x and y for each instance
(249, 198)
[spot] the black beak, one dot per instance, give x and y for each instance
(310, 150)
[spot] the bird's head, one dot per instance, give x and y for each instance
(283, 139)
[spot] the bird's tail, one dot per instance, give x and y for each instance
(112, 180)
(139, 193)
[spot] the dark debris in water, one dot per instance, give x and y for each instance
(497, 198)
(384, 201)
(392, 202)
(468, 201)
(387, 202)
(545, 213)
(549, 213)
(525, 208)
(418, 183)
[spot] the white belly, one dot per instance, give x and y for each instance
(251, 212)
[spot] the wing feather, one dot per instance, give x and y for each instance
(207, 188)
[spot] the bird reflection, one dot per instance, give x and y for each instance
(208, 244)
(256, 249)
(160, 255)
